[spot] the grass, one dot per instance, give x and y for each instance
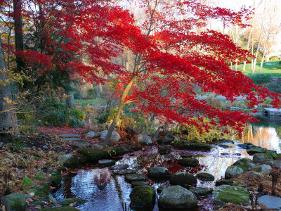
(93, 102)
(262, 75)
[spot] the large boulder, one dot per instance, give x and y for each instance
(270, 202)
(199, 191)
(189, 162)
(266, 169)
(233, 171)
(15, 201)
(277, 164)
(184, 179)
(158, 173)
(262, 157)
(164, 149)
(142, 197)
(231, 194)
(254, 149)
(115, 137)
(177, 197)
(192, 146)
(203, 176)
(245, 163)
(144, 139)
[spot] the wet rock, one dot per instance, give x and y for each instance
(119, 167)
(233, 171)
(145, 139)
(245, 163)
(134, 177)
(224, 182)
(253, 150)
(93, 155)
(115, 137)
(60, 209)
(203, 176)
(164, 149)
(106, 163)
(142, 197)
(266, 169)
(270, 202)
(245, 146)
(199, 191)
(189, 162)
(224, 146)
(139, 183)
(177, 197)
(192, 146)
(158, 173)
(184, 179)
(15, 201)
(262, 157)
(124, 172)
(92, 134)
(231, 194)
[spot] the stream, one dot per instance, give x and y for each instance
(114, 196)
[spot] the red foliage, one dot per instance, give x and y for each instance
(175, 54)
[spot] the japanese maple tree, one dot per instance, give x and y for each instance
(173, 53)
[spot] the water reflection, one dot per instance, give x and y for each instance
(264, 136)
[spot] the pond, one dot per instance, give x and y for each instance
(104, 191)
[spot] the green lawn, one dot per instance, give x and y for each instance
(270, 69)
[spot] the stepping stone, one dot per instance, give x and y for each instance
(106, 163)
(134, 177)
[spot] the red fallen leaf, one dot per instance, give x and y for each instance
(175, 168)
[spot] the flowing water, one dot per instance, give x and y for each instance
(103, 191)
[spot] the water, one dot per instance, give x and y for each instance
(103, 191)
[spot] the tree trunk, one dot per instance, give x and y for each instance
(120, 110)
(7, 114)
(17, 4)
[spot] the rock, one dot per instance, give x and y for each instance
(139, 183)
(124, 172)
(115, 137)
(192, 146)
(205, 176)
(253, 150)
(189, 162)
(233, 171)
(158, 173)
(245, 163)
(106, 163)
(224, 182)
(15, 201)
(144, 139)
(160, 189)
(277, 164)
(120, 167)
(167, 139)
(134, 177)
(164, 149)
(245, 146)
(224, 146)
(60, 209)
(92, 134)
(262, 157)
(142, 197)
(72, 201)
(266, 169)
(270, 202)
(183, 179)
(231, 194)
(64, 158)
(177, 197)
(198, 191)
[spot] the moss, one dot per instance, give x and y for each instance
(55, 179)
(191, 146)
(15, 201)
(232, 194)
(142, 197)
(42, 191)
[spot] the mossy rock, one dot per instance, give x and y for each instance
(199, 191)
(245, 163)
(15, 201)
(233, 171)
(142, 197)
(189, 162)
(42, 191)
(224, 182)
(203, 176)
(231, 194)
(263, 157)
(192, 146)
(92, 155)
(183, 179)
(60, 209)
(56, 179)
(253, 150)
(158, 173)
